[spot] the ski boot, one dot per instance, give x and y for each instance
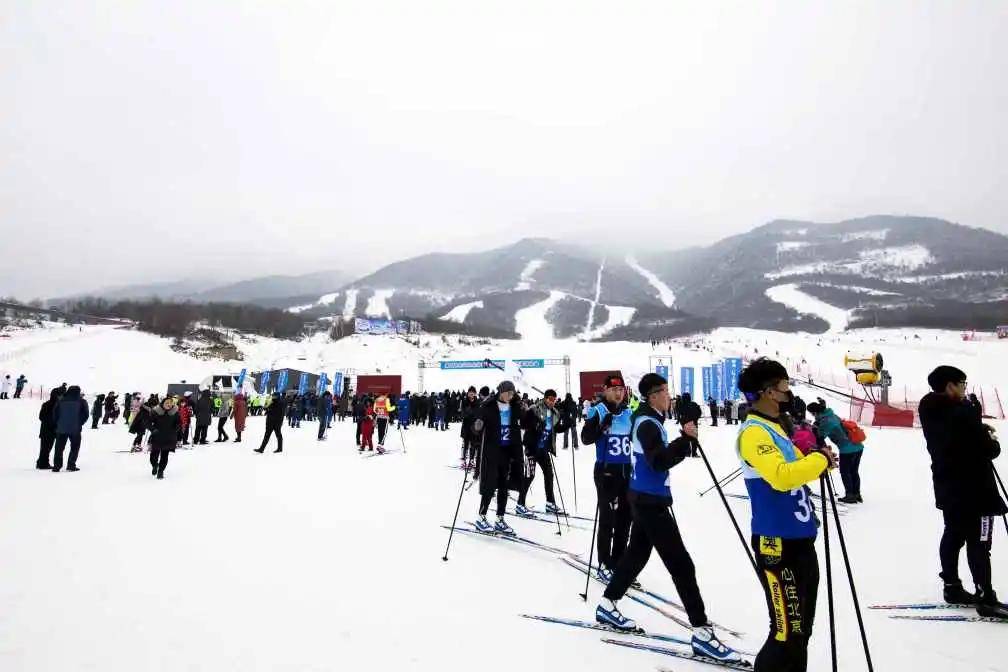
(381, 449)
(553, 508)
(705, 643)
(524, 511)
(501, 527)
(954, 593)
(604, 574)
(989, 607)
(607, 613)
(483, 525)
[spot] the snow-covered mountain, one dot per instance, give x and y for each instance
(786, 275)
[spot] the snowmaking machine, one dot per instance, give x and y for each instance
(868, 371)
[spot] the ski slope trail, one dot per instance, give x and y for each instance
(665, 292)
(594, 302)
(790, 296)
(531, 322)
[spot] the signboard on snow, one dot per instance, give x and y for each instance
(377, 327)
(467, 364)
(686, 380)
(732, 369)
(705, 375)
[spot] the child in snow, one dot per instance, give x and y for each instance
(367, 431)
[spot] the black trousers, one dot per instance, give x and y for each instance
(975, 532)
(358, 422)
(199, 436)
(850, 464)
(221, 434)
(61, 441)
(542, 458)
(322, 426)
(273, 429)
(159, 458)
(572, 432)
(789, 573)
(382, 425)
(611, 485)
(501, 475)
(138, 439)
(94, 421)
(655, 527)
(468, 446)
(45, 449)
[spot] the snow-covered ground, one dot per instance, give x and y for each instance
(665, 292)
(317, 558)
(797, 300)
(531, 322)
(525, 279)
(378, 303)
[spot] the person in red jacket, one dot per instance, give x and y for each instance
(185, 415)
(367, 431)
(239, 411)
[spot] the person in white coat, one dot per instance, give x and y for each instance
(5, 385)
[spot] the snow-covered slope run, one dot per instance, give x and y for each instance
(525, 280)
(378, 303)
(594, 302)
(531, 322)
(793, 298)
(460, 313)
(619, 316)
(350, 306)
(665, 292)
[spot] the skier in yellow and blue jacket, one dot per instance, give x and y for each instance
(784, 524)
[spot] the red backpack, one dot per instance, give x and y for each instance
(854, 431)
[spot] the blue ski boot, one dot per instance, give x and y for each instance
(483, 525)
(501, 527)
(706, 643)
(606, 613)
(604, 574)
(524, 511)
(553, 508)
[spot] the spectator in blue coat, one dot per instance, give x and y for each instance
(830, 427)
(70, 415)
(324, 409)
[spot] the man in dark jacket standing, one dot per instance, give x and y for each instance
(274, 423)
(164, 424)
(962, 452)
(540, 426)
(569, 413)
(70, 414)
(498, 427)
(713, 410)
(47, 430)
(204, 410)
(469, 407)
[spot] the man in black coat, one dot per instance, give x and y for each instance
(498, 428)
(164, 424)
(540, 426)
(470, 405)
(713, 410)
(569, 412)
(962, 452)
(70, 414)
(274, 423)
(203, 413)
(47, 429)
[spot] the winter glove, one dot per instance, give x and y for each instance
(606, 422)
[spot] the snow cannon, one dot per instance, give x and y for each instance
(867, 369)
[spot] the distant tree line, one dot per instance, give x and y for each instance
(167, 318)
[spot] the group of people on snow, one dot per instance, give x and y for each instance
(6, 383)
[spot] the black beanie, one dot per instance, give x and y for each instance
(815, 408)
(505, 386)
(649, 383)
(484, 391)
(472, 388)
(944, 375)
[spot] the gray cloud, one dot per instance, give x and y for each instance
(142, 141)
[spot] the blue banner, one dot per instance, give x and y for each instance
(281, 384)
(705, 374)
(303, 383)
(241, 380)
(686, 380)
(733, 367)
(264, 379)
(466, 364)
(322, 384)
(381, 327)
(337, 383)
(716, 386)
(662, 371)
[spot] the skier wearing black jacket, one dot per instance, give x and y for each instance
(654, 526)
(962, 452)
(498, 427)
(608, 427)
(540, 426)
(204, 409)
(470, 404)
(47, 429)
(274, 423)
(164, 424)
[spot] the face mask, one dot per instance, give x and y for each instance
(787, 404)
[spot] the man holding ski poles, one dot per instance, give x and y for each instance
(654, 526)
(784, 526)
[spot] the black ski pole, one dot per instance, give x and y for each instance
(731, 515)
(591, 551)
(850, 574)
(829, 574)
(725, 481)
(556, 479)
(573, 472)
(1004, 493)
(465, 476)
(402, 437)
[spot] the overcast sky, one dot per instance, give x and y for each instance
(145, 141)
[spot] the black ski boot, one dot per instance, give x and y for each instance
(989, 607)
(959, 596)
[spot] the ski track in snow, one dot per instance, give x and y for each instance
(531, 322)
(618, 317)
(460, 313)
(665, 292)
(350, 305)
(378, 303)
(594, 302)
(525, 280)
(793, 298)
